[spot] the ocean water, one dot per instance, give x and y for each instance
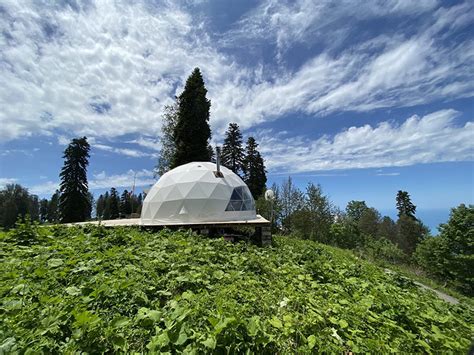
(430, 217)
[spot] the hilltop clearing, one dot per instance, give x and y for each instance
(96, 290)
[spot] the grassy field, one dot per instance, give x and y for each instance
(125, 290)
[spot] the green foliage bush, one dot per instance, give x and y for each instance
(450, 255)
(382, 249)
(25, 232)
(124, 290)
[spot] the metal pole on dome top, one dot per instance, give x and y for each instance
(218, 159)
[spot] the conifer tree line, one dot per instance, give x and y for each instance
(113, 205)
(186, 138)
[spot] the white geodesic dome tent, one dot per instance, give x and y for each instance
(196, 193)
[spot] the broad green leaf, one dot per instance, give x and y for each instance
(343, 324)
(120, 322)
(210, 342)
(311, 341)
(276, 322)
(52, 263)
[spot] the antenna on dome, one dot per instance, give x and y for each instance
(218, 172)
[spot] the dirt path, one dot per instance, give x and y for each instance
(442, 295)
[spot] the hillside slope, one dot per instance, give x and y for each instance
(100, 290)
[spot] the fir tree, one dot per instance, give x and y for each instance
(107, 200)
(53, 208)
(114, 204)
(100, 207)
(232, 155)
(74, 203)
(254, 169)
(43, 210)
(404, 205)
(125, 204)
(192, 132)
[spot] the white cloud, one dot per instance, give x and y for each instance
(100, 180)
(432, 138)
(388, 174)
(6, 181)
(126, 180)
(147, 142)
(123, 151)
(46, 188)
(107, 70)
(286, 23)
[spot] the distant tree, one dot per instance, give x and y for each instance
(212, 154)
(355, 209)
(16, 202)
(100, 207)
(192, 132)
(138, 205)
(125, 204)
(114, 204)
(91, 206)
(387, 229)
(404, 205)
(368, 223)
(233, 156)
(292, 200)
(107, 201)
(314, 220)
(410, 232)
(34, 208)
(74, 202)
(44, 210)
(53, 208)
(264, 208)
(459, 234)
(167, 142)
(255, 175)
(450, 255)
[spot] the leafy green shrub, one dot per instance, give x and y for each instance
(450, 255)
(25, 231)
(382, 249)
(345, 235)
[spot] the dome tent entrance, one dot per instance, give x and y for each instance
(195, 193)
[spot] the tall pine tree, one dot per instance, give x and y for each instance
(192, 132)
(125, 204)
(233, 155)
(254, 169)
(74, 202)
(114, 204)
(100, 207)
(404, 205)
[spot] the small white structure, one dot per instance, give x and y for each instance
(197, 193)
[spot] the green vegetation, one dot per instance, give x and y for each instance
(96, 290)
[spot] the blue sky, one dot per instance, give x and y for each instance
(365, 98)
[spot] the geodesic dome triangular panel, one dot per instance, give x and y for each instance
(192, 193)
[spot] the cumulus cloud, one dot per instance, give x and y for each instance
(432, 138)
